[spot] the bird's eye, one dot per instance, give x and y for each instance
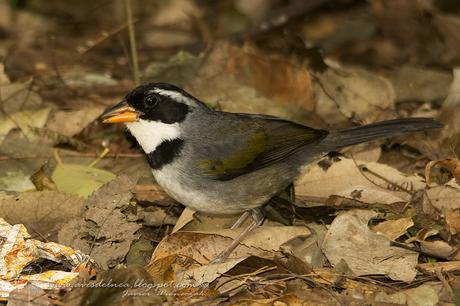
(151, 101)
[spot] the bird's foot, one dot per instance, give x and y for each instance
(257, 219)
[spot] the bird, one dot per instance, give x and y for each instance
(223, 163)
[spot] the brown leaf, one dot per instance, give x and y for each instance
(352, 93)
(431, 267)
(202, 247)
(42, 212)
(393, 229)
(293, 82)
(344, 178)
(243, 81)
(350, 240)
(453, 221)
(451, 164)
(30, 294)
(108, 226)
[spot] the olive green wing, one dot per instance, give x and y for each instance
(272, 141)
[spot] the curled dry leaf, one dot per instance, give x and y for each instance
(350, 240)
(439, 249)
(393, 229)
(453, 221)
(451, 164)
(436, 248)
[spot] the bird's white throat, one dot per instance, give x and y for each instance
(150, 134)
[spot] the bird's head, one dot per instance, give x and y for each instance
(153, 113)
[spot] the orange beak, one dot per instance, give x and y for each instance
(120, 112)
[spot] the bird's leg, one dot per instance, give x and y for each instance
(257, 219)
(241, 219)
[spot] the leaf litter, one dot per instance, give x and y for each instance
(377, 225)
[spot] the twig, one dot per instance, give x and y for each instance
(445, 283)
(132, 40)
(363, 168)
(115, 155)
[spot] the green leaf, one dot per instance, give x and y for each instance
(79, 179)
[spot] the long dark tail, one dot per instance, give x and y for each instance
(347, 137)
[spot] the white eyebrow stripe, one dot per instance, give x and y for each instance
(175, 95)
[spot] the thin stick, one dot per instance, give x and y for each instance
(132, 41)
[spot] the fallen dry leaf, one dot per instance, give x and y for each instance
(265, 237)
(42, 212)
(156, 216)
(432, 267)
(448, 140)
(353, 93)
(205, 274)
(24, 120)
(243, 81)
(451, 164)
(445, 196)
(453, 221)
(199, 249)
(70, 123)
(393, 229)
(150, 193)
(420, 84)
(439, 249)
(350, 240)
(328, 276)
(294, 83)
(269, 236)
(344, 178)
(308, 248)
(30, 294)
(424, 295)
(185, 218)
(16, 181)
(19, 96)
(129, 286)
(203, 247)
(107, 226)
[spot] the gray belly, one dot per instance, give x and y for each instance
(223, 197)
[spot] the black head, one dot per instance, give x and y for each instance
(162, 102)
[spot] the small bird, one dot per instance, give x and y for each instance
(231, 163)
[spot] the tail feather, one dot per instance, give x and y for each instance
(347, 137)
